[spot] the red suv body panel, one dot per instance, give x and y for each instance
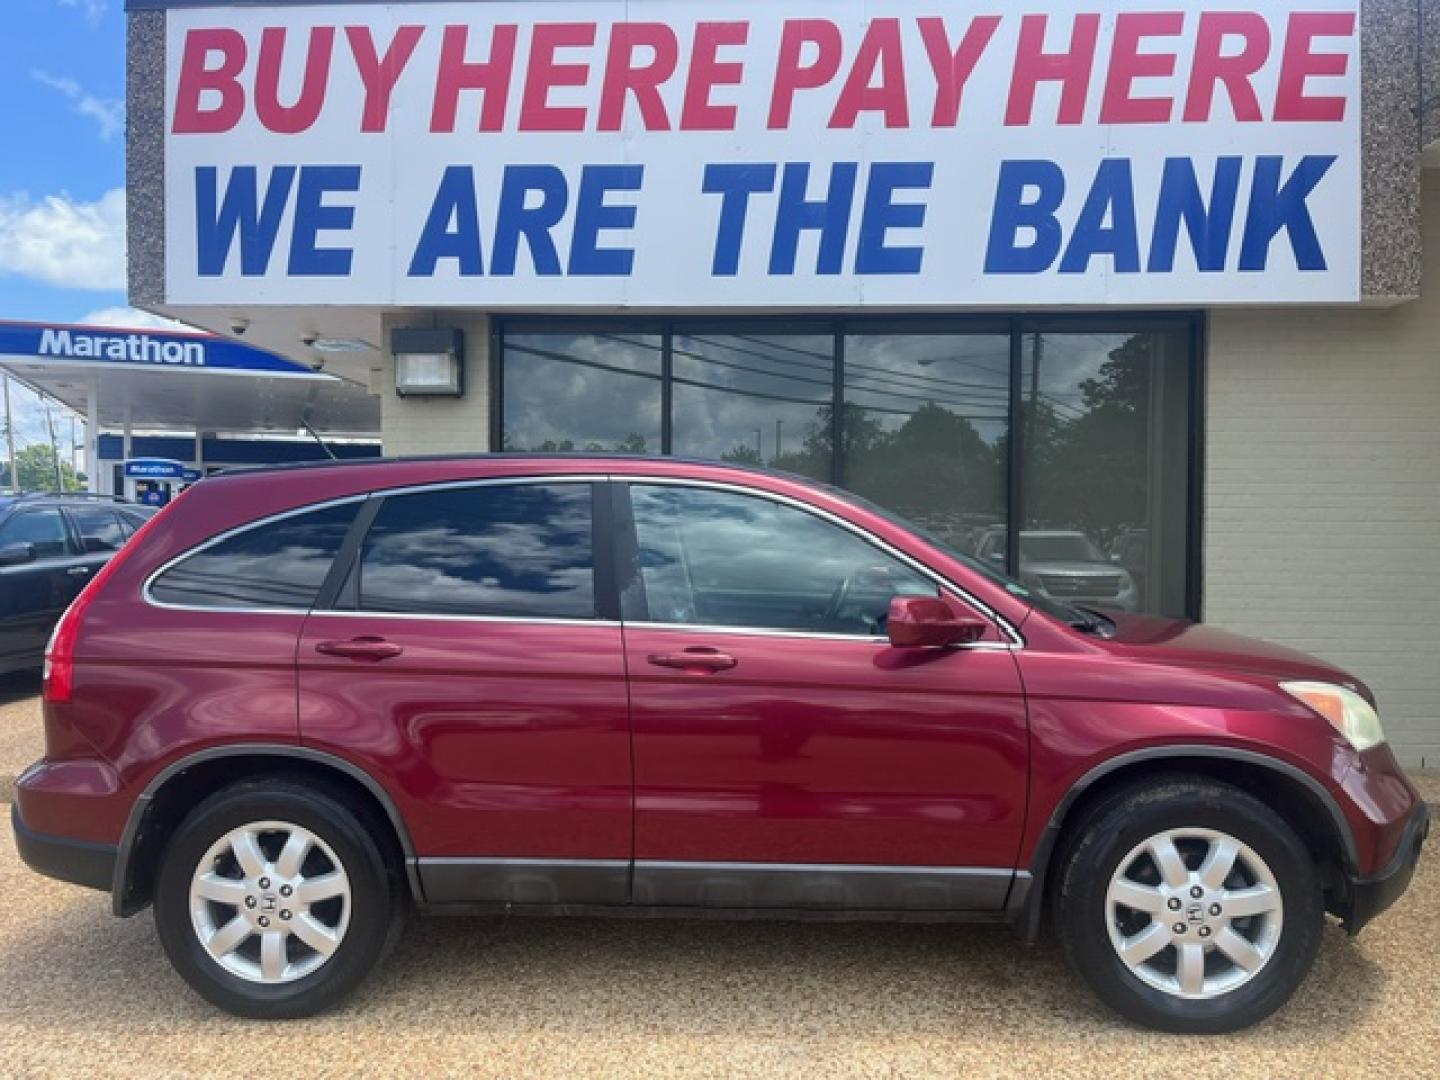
(517, 734)
(843, 752)
(551, 740)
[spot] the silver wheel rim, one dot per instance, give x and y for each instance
(1194, 913)
(270, 902)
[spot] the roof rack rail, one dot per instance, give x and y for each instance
(72, 495)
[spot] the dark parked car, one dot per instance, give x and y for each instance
(50, 546)
(306, 701)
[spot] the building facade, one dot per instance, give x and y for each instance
(1130, 304)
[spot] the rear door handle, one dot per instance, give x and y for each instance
(361, 648)
(697, 659)
(78, 571)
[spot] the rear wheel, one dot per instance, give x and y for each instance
(1189, 906)
(274, 902)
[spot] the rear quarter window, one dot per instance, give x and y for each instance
(278, 564)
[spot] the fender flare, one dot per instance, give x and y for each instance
(1026, 896)
(133, 825)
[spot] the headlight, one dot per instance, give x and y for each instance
(1348, 712)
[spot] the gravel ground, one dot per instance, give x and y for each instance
(82, 992)
(21, 737)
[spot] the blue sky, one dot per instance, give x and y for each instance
(62, 175)
(63, 66)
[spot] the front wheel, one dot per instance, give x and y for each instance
(1189, 906)
(273, 900)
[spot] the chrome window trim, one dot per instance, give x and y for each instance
(1017, 641)
(809, 635)
(199, 549)
(377, 493)
(490, 481)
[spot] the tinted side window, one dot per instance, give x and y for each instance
(521, 550)
(45, 529)
(278, 565)
(715, 558)
(99, 528)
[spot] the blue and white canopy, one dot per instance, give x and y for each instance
(170, 380)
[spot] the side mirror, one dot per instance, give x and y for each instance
(923, 622)
(17, 554)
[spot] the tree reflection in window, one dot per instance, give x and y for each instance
(591, 393)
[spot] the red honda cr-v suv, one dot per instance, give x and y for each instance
(306, 700)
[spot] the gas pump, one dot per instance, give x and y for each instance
(155, 481)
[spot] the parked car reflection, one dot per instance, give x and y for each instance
(1131, 550)
(1065, 565)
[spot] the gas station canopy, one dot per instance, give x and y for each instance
(160, 380)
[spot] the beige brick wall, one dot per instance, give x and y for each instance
(439, 425)
(1322, 518)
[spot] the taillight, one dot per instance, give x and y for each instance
(59, 679)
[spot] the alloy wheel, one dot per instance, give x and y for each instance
(270, 902)
(1194, 913)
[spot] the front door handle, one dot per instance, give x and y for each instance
(78, 571)
(361, 648)
(697, 659)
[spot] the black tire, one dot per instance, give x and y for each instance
(1120, 822)
(377, 899)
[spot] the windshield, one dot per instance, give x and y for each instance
(1058, 547)
(1064, 612)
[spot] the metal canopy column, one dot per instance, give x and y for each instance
(92, 437)
(126, 453)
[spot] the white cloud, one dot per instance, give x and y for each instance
(129, 318)
(61, 241)
(93, 10)
(108, 113)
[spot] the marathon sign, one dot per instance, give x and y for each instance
(124, 348)
(156, 469)
(99, 346)
(698, 153)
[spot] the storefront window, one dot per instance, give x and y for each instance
(1104, 483)
(756, 400)
(1091, 504)
(925, 423)
(582, 392)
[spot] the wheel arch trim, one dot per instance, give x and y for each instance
(283, 751)
(1026, 898)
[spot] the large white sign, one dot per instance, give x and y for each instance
(755, 154)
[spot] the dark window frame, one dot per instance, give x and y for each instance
(1015, 326)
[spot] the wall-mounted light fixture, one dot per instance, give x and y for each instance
(428, 363)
